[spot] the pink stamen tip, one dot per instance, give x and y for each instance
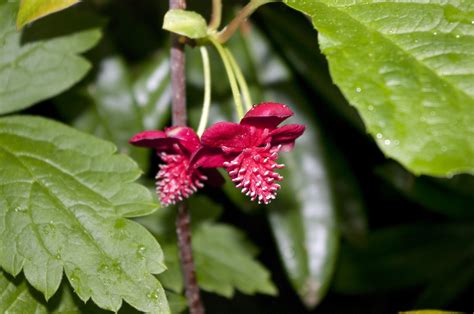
(253, 171)
(175, 180)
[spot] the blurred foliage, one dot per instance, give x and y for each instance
(352, 231)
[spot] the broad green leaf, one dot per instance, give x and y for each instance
(408, 68)
(113, 113)
(429, 193)
(31, 10)
(64, 199)
(225, 262)
(18, 297)
(43, 60)
(224, 258)
(404, 256)
(186, 23)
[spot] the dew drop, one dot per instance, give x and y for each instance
(435, 33)
(103, 267)
(141, 251)
(371, 108)
(379, 135)
(153, 295)
(58, 256)
(458, 36)
(358, 90)
(387, 142)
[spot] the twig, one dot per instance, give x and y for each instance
(179, 117)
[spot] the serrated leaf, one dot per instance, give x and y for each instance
(18, 297)
(43, 60)
(64, 196)
(31, 10)
(186, 23)
(225, 262)
(411, 81)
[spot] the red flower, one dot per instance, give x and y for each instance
(248, 150)
(175, 179)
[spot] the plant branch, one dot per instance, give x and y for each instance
(246, 11)
(216, 14)
(183, 219)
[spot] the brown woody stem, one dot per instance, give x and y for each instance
(183, 219)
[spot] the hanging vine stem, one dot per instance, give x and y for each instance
(231, 75)
(240, 79)
(207, 91)
(183, 219)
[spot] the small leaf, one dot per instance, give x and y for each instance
(31, 10)
(64, 197)
(224, 258)
(411, 82)
(186, 23)
(225, 262)
(43, 60)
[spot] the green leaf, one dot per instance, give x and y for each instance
(31, 10)
(224, 258)
(18, 297)
(186, 23)
(64, 196)
(411, 81)
(403, 256)
(43, 60)
(225, 262)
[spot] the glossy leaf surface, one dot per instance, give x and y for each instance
(64, 200)
(43, 60)
(411, 81)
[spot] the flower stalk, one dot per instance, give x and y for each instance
(207, 90)
(231, 76)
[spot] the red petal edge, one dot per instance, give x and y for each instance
(267, 115)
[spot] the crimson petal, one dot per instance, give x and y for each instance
(286, 135)
(185, 136)
(153, 139)
(209, 157)
(226, 134)
(266, 115)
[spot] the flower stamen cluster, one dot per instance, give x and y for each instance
(247, 151)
